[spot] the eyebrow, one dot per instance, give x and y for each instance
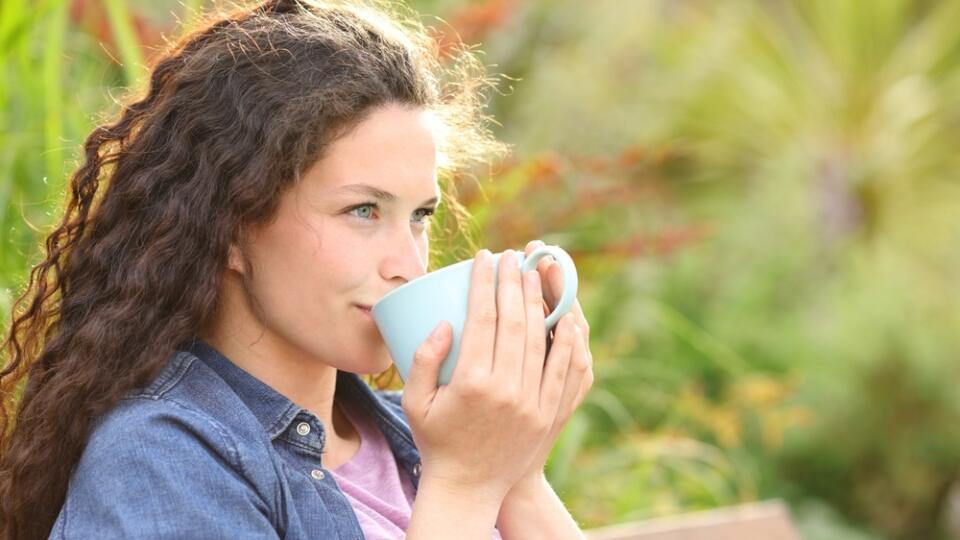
(377, 193)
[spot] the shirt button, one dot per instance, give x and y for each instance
(317, 474)
(303, 428)
(416, 469)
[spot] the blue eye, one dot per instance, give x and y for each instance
(369, 207)
(427, 212)
(365, 212)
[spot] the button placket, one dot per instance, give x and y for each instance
(305, 431)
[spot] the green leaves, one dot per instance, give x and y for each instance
(121, 26)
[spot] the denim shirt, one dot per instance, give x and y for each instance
(208, 451)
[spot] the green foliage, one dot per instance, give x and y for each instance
(803, 329)
(49, 97)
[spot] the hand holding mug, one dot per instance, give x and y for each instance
(485, 429)
(407, 315)
(580, 378)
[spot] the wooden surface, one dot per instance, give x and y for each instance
(756, 521)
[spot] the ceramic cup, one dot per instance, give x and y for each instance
(407, 314)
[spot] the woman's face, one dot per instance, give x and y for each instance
(354, 229)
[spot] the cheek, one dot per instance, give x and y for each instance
(311, 267)
(287, 262)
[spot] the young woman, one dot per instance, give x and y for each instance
(185, 361)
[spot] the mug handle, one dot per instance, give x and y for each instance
(570, 279)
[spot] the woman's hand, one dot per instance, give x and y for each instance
(484, 432)
(580, 377)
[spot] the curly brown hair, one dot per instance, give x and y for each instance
(234, 113)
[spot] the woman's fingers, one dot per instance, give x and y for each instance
(511, 323)
(558, 364)
(422, 381)
(551, 278)
(585, 386)
(535, 350)
(543, 266)
(578, 372)
(480, 328)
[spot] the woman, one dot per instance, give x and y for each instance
(191, 344)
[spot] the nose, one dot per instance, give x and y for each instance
(406, 255)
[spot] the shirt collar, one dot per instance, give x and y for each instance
(275, 411)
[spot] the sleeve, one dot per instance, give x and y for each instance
(159, 470)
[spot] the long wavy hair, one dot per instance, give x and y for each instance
(234, 113)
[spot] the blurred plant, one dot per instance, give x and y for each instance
(62, 59)
(814, 180)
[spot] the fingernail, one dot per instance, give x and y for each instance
(435, 335)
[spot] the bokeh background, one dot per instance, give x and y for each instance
(762, 198)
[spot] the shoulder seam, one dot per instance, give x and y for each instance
(221, 429)
(230, 446)
(229, 442)
(169, 376)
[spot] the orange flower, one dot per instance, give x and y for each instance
(92, 18)
(468, 24)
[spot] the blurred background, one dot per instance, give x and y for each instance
(762, 198)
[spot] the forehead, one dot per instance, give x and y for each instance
(393, 148)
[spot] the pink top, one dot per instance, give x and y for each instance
(380, 492)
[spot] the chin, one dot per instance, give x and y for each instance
(374, 364)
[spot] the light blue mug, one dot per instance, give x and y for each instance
(407, 314)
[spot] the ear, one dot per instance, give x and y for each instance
(235, 260)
